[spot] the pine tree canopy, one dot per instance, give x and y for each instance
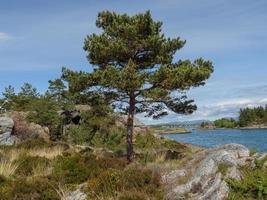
(132, 58)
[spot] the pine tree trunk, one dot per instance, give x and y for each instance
(130, 126)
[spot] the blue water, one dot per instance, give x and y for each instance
(253, 139)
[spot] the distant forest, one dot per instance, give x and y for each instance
(247, 117)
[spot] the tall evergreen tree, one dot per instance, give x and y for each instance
(133, 65)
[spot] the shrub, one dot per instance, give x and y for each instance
(114, 163)
(36, 189)
(252, 186)
(26, 164)
(75, 168)
(22, 129)
(79, 134)
(35, 143)
(111, 182)
(106, 184)
(44, 112)
(140, 179)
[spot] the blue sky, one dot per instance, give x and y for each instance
(38, 37)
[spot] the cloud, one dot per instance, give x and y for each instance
(225, 108)
(5, 36)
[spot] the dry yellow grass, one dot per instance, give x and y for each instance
(48, 153)
(7, 168)
(12, 154)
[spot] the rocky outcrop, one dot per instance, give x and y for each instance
(6, 129)
(22, 130)
(205, 173)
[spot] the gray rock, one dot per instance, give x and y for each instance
(6, 128)
(207, 182)
(174, 175)
(262, 156)
(77, 194)
(7, 139)
(6, 124)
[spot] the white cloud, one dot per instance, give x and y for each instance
(225, 108)
(5, 36)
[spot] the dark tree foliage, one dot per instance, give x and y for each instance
(226, 123)
(250, 116)
(22, 100)
(56, 89)
(134, 69)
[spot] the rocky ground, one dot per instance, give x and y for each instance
(204, 176)
(201, 177)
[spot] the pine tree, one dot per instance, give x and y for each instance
(133, 65)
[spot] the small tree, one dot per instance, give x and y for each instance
(9, 92)
(133, 65)
(27, 90)
(56, 89)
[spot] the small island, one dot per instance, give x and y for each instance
(249, 118)
(163, 129)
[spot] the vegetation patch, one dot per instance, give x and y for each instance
(252, 186)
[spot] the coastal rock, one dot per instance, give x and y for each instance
(207, 181)
(6, 128)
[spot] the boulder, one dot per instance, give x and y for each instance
(6, 129)
(6, 124)
(207, 181)
(24, 130)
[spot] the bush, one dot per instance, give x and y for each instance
(252, 186)
(111, 182)
(79, 134)
(26, 164)
(76, 168)
(106, 184)
(225, 123)
(22, 129)
(35, 143)
(70, 169)
(44, 112)
(36, 189)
